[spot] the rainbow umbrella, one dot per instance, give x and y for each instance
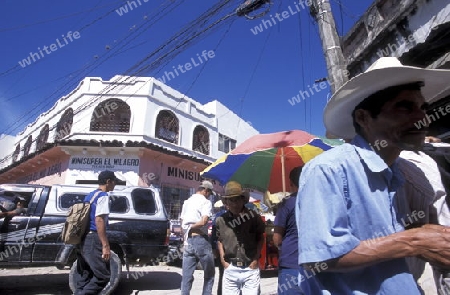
(263, 162)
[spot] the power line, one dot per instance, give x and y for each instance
(82, 72)
(107, 89)
(56, 18)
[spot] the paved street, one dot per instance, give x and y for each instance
(143, 280)
(160, 280)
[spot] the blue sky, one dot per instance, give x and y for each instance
(253, 75)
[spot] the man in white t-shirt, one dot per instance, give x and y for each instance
(197, 248)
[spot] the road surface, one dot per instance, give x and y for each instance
(155, 280)
(158, 280)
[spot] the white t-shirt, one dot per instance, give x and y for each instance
(193, 210)
(102, 205)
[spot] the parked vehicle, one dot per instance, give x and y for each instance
(138, 229)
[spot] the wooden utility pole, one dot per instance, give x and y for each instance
(336, 65)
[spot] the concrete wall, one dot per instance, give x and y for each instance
(396, 28)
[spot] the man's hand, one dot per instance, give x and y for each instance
(20, 210)
(106, 252)
(254, 264)
(216, 253)
(433, 244)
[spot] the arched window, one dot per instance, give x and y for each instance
(15, 155)
(64, 126)
(27, 146)
(42, 138)
(200, 142)
(112, 115)
(167, 126)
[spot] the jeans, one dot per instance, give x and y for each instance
(93, 272)
(237, 280)
(288, 282)
(198, 249)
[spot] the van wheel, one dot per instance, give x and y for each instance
(116, 271)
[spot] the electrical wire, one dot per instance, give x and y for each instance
(82, 72)
(215, 23)
(57, 18)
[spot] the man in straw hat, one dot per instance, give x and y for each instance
(349, 214)
(240, 234)
(197, 248)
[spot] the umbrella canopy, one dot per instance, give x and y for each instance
(264, 161)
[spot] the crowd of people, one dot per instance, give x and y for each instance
(363, 217)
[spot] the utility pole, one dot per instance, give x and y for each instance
(336, 65)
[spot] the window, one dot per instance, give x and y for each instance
(200, 142)
(167, 127)
(226, 144)
(9, 200)
(143, 201)
(15, 155)
(42, 138)
(64, 125)
(112, 115)
(27, 146)
(70, 199)
(118, 204)
(173, 199)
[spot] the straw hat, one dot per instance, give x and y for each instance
(234, 189)
(385, 72)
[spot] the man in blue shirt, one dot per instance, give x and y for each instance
(351, 229)
(93, 272)
(286, 237)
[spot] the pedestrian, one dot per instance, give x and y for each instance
(240, 234)
(195, 215)
(93, 270)
(424, 197)
(215, 248)
(351, 230)
(285, 237)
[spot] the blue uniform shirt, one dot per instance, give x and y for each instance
(100, 206)
(285, 218)
(348, 195)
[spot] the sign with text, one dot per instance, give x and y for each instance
(102, 163)
(185, 174)
(48, 171)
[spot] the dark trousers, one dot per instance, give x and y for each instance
(221, 269)
(93, 272)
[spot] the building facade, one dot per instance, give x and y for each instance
(415, 31)
(138, 127)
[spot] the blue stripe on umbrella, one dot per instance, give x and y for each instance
(233, 164)
(320, 144)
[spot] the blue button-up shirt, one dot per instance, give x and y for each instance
(347, 195)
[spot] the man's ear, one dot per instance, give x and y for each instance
(362, 118)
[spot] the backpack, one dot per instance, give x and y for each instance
(77, 222)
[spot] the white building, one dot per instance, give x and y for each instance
(138, 127)
(415, 31)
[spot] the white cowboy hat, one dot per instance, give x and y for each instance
(384, 73)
